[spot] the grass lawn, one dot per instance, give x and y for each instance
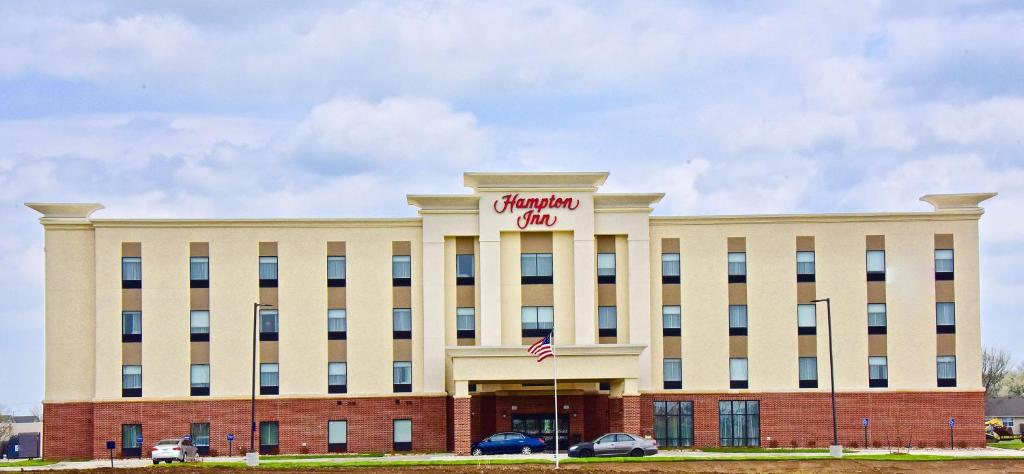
(27, 463)
(1010, 444)
(285, 457)
(768, 450)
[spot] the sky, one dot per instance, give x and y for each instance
(338, 109)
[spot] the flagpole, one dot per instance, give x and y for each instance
(554, 370)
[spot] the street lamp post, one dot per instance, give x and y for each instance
(252, 401)
(836, 450)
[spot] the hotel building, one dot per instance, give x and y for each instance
(392, 334)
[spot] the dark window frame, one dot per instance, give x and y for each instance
(269, 448)
(337, 447)
(684, 420)
(745, 420)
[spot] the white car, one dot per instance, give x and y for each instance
(175, 449)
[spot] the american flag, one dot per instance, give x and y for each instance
(541, 348)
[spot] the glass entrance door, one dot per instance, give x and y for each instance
(543, 426)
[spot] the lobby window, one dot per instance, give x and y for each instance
(268, 437)
(808, 372)
(946, 371)
(537, 320)
(337, 377)
(268, 272)
(806, 319)
(465, 274)
(130, 435)
(739, 423)
(401, 270)
(878, 371)
(201, 437)
(269, 379)
(199, 379)
(402, 435)
(199, 326)
(671, 320)
(876, 318)
(199, 272)
(537, 268)
(737, 267)
(805, 266)
(944, 264)
(876, 265)
(669, 268)
(737, 320)
(336, 269)
(402, 375)
(131, 380)
(738, 373)
(606, 321)
(673, 423)
(131, 272)
(337, 324)
(465, 323)
(606, 268)
(337, 436)
(945, 318)
(673, 370)
(131, 326)
(268, 325)
(402, 320)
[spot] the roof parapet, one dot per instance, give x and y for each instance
(65, 210)
(571, 181)
(957, 202)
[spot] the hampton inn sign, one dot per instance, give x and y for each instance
(533, 209)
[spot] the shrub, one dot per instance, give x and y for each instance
(854, 445)
(962, 444)
(774, 443)
(876, 444)
(811, 443)
(793, 443)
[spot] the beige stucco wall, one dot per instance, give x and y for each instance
(69, 320)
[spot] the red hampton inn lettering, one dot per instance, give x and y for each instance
(534, 208)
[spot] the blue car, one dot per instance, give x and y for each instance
(508, 443)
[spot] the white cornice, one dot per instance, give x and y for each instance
(65, 210)
(580, 181)
(444, 202)
(974, 214)
(957, 202)
(311, 222)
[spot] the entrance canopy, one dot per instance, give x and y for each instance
(616, 363)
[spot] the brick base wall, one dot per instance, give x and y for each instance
(67, 430)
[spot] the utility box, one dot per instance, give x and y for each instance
(23, 446)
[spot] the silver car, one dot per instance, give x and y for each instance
(174, 449)
(615, 444)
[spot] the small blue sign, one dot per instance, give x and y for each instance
(138, 439)
(865, 422)
(952, 422)
(111, 445)
(187, 438)
(231, 437)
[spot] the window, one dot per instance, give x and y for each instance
(401, 270)
(737, 320)
(945, 318)
(669, 268)
(131, 272)
(131, 380)
(537, 320)
(402, 320)
(536, 268)
(402, 374)
(201, 437)
(131, 326)
(805, 266)
(947, 371)
(806, 319)
(673, 423)
(737, 267)
(268, 272)
(465, 274)
(337, 436)
(606, 268)
(671, 320)
(337, 377)
(944, 264)
(402, 435)
(465, 323)
(808, 372)
(130, 436)
(606, 321)
(337, 324)
(673, 370)
(200, 379)
(336, 271)
(268, 379)
(268, 324)
(878, 371)
(199, 272)
(876, 318)
(268, 437)
(739, 423)
(876, 265)
(738, 373)
(199, 326)
(1007, 422)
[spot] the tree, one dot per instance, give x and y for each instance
(6, 424)
(995, 365)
